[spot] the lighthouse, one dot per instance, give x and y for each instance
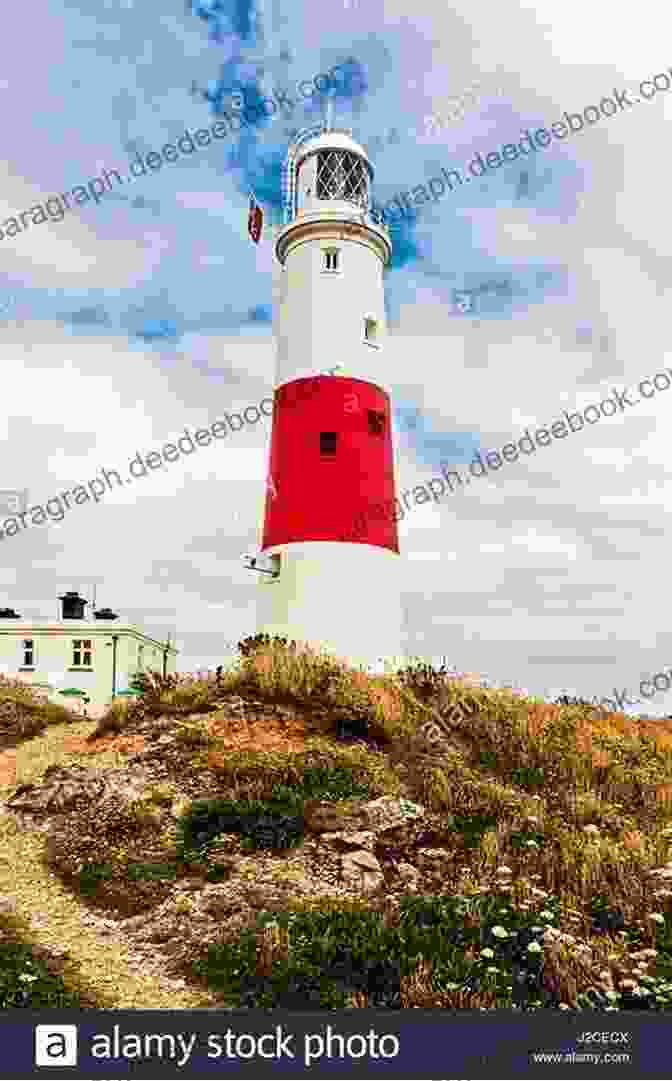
(329, 557)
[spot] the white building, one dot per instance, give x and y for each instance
(96, 656)
(330, 567)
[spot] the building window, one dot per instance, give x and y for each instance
(376, 422)
(331, 259)
(81, 653)
(370, 331)
(28, 653)
(328, 444)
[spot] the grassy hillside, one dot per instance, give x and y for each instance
(551, 829)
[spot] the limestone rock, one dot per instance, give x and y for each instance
(409, 875)
(62, 789)
(362, 871)
(343, 841)
(324, 816)
(351, 816)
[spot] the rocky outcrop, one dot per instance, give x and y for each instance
(93, 817)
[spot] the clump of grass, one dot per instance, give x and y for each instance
(34, 979)
(113, 721)
(25, 714)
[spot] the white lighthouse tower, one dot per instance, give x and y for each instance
(329, 553)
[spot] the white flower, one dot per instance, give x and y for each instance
(534, 947)
(487, 952)
(27, 979)
(546, 915)
(531, 844)
(500, 932)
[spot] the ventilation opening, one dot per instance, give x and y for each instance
(328, 442)
(376, 422)
(331, 259)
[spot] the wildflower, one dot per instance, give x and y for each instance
(487, 952)
(452, 986)
(657, 917)
(500, 932)
(26, 978)
(534, 947)
(546, 915)
(531, 844)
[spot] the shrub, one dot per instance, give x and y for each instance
(274, 823)
(423, 680)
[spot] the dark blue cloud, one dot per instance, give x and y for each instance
(158, 330)
(227, 18)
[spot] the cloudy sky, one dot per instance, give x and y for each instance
(128, 320)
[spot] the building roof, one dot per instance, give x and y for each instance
(81, 626)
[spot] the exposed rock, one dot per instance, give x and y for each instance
(409, 875)
(322, 816)
(361, 871)
(340, 841)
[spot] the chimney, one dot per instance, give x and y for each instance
(9, 613)
(105, 613)
(73, 605)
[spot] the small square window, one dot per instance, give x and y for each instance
(28, 652)
(328, 443)
(376, 422)
(331, 259)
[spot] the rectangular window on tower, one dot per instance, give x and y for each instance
(376, 422)
(328, 442)
(371, 331)
(331, 261)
